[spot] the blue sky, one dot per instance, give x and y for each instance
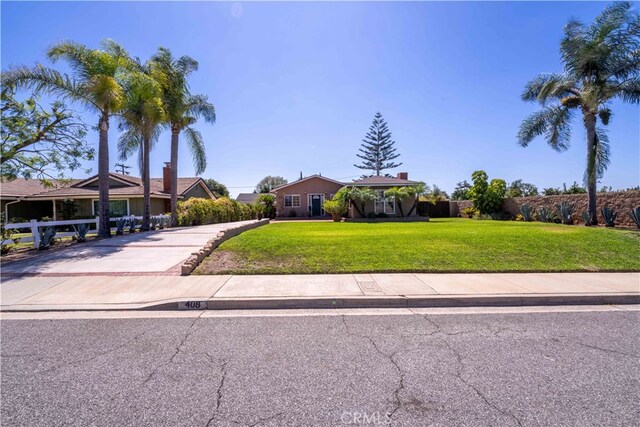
(296, 85)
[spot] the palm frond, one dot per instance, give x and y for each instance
(130, 141)
(199, 106)
(76, 54)
(549, 86)
(605, 115)
(197, 148)
(553, 122)
(600, 161)
(629, 91)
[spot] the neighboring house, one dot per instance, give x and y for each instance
(304, 197)
(29, 199)
(248, 198)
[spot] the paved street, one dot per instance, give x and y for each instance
(496, 366)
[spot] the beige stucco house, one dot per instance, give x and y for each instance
(305, 197)
(29, 199)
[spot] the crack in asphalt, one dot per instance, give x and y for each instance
(178, 348)
(261, 420)
(607, 350)
(390, 357)
(78, 362)
(223, 370)
(473, 387)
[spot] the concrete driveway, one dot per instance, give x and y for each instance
(150, 252)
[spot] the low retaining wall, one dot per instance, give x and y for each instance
(620, 201)
(196, 257)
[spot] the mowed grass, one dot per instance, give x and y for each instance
(441, 245)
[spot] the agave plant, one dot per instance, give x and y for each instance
(162, 221)
(121, 223)
(587, 219)
(81, 232)
(609, 216)
(153, 223)
(46, 237)
(133, 223)
(565, 210)
(635, 215)
(545, 214)
(527, 212)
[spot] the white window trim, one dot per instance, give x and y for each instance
(93, 210)
(292, 204)
(385, 204)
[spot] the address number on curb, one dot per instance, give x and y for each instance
(192, 305)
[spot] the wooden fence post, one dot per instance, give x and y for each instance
(35, 233)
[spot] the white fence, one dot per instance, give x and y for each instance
(35, 225)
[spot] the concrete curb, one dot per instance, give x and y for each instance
(416, 301)
(196, 257)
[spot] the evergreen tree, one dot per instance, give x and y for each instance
(378, 150)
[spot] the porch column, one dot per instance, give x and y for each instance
(54, 210)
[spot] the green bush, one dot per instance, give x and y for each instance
(487, 196)
(197, 211)
(336, 207)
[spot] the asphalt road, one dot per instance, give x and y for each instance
(557, 368)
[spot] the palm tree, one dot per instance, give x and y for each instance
(601, 63)
(398, 194)
(183, 110)
(416, 191)
(141, 116)
(95, 83)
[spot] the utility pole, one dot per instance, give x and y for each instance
(124, 169)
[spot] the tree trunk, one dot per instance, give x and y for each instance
(175, 138)
(399, 203)
(590, 125)
(103, 176)
(355, 205)
(146, 182)
(414, 206)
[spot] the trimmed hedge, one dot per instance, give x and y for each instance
(197, 211)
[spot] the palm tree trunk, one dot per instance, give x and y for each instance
(399, 203)
(103, 176)
(590, 124)
(146, 182)
(175, 135)
(355, 205)
(414, 206)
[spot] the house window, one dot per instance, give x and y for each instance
(384, 204)
(117, 208)
(291, 201)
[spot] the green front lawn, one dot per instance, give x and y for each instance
(441, 245)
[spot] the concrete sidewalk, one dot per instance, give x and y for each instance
(97, 292)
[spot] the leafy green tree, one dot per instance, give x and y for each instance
(39, 142)
(575, 188)
(378, 150)
(398, 194)
(521, 189)
(436, 194)
(487, 196)
(551, 191)
(601, 63)
(183, 111)
(461, 192)
(216, 187)
(268, 183)
(95, 83)
(141, 116)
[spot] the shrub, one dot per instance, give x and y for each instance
(382, 215)
(336, 207)
(6, 234)
(565, 210)
(609, 216)
(635, 216)
(293, 213)
(197, 211)
(527, 212)
(470, 212)
(545, 214)
(371, 215)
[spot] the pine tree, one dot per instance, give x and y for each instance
(378, 150)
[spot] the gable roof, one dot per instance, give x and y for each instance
(383, 181)
(247, 197)
(305, 179)
(34, 190)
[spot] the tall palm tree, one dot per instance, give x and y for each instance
(601, 63)
(183, 110)
(141, 116)
(96, 83)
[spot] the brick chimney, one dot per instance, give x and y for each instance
(166, 177)
(403, 175)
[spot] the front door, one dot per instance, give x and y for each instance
(316, 205)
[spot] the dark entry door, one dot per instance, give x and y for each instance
(316, 206)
